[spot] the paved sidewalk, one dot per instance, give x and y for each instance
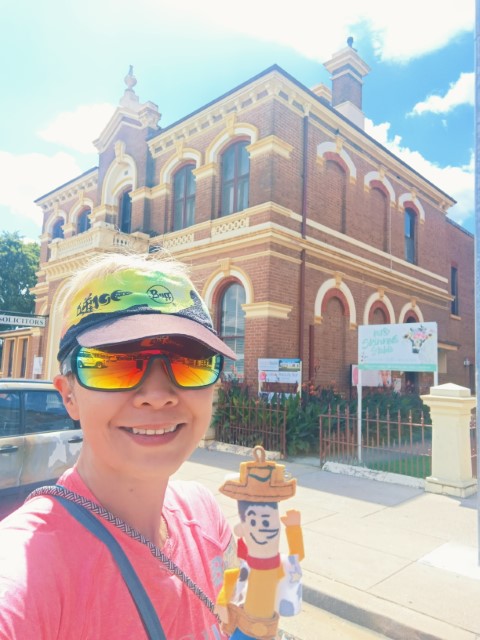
(388, 557)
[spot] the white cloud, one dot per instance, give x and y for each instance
(77, 129)
(457, 182)
(396, 35)
(460, 92)
(29, 176)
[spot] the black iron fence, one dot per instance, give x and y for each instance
(391, 443)
(248, 422)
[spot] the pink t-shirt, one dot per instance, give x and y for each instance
(57, 581)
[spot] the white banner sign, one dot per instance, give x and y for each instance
(23, 321)
(398, 347)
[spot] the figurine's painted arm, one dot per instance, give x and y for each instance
(293, 531)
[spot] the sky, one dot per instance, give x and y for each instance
(64, 65)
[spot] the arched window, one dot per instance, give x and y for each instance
(83, 221)
(125, 212)
(410, 233)
(232, 328)
(235, 178)
(57, 229)
(184, 198)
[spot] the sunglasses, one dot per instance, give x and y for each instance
(118, 367)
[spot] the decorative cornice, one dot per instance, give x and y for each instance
(270, 144)
(70, 191)
(267, 310)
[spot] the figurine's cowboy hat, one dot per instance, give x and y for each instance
(260, 481)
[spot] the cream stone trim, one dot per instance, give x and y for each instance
(53, 218)
(69, 191)
(333, 283)
(336, 147)
(380, 177)
(379, 295)
(413, 198)
(183, 154)
(121, 173)
(267, 309)
(80, 206)
(182, 239)
(268, 145)
(160, 190)
(142, 193)
(206, 171)
(447, 347)
(410, 306)
(358, 243)
(227, 228)
(225, 270)
(224, 137)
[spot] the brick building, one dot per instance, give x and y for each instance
(298, 226)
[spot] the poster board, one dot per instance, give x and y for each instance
(279, 376)
(412, 346)
(398, 347)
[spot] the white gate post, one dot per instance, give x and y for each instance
(450, 409)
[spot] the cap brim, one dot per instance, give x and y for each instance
(147, 325)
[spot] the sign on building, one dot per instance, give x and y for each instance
(22, 321)
(398, 347)
(279, 376)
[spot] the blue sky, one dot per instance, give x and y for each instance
(64, 64)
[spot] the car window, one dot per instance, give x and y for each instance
(10, 424)
(44, 411)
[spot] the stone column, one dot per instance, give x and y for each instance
(450, 409)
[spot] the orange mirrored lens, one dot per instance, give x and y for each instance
(109, 370)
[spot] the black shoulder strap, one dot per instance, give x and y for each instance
(142, 601)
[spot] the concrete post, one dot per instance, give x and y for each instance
(450, 409)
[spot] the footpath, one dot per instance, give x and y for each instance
(388, 557)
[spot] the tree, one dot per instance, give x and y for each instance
(18, 265)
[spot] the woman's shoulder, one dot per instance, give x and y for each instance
(189, 494)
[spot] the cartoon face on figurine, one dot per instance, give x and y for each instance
(259, 527)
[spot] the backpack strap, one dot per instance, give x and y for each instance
(142, 602)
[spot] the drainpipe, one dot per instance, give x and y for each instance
(304, 233)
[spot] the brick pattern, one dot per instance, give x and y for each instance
(352, 233)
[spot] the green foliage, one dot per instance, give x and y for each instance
(236, 407)
(19, 262)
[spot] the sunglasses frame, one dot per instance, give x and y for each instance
(70, 365)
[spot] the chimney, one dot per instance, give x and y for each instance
(348, 71)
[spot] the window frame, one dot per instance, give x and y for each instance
(237, 182)
(410, 241)
(454, 306)
(57, 229)
(83, 220)
(125, 220)
(186, 198)
(233, 339)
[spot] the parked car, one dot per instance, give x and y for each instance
(38, 439)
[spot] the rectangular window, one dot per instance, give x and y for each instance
(410, 236)
(10, 348)
(23, 363)
(454, 290)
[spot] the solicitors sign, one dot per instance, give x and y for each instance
(22, 321)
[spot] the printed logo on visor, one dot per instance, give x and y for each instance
(160, 294)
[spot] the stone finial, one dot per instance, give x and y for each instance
(130, 98)
(130, 79)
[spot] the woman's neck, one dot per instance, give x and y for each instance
(137, 501)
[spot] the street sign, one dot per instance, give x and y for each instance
(22, 321)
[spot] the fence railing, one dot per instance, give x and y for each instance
(389, 444)
(247, 422)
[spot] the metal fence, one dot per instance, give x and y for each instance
(248, 422)
(388, 444)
